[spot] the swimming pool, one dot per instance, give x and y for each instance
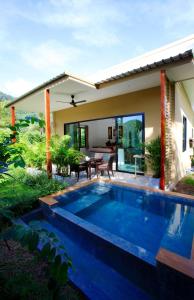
(140, 237)
(145, 219)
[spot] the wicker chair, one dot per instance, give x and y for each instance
(82, 167)
(106, 166)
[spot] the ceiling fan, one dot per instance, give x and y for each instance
(73, 102)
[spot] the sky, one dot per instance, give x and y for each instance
(43, 38)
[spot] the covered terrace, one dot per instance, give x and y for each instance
(137, 76)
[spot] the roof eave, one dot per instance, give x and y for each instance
(186, 56)
(48, 84)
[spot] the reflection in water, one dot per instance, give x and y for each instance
(177, 219)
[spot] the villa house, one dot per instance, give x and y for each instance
(131, 103)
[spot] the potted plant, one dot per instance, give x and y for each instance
(153, 155)
(191, 143)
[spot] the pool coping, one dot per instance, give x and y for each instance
(177, 262)
(50, 199)
(164, 256)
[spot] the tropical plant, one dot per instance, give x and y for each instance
(74, 156)
(59, 149)
(33, 140)
(192, 160)
(20, 191)
(35, 155)
(46, 247)
(22, 285)
(40, 242)
(32, 135)
(63, 155)
(10, 154)
(153, 155)
(10, 151)
(5, 114)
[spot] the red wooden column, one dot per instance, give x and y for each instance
(48, 132)
(162, 112)
(13, 120)
(12, 115)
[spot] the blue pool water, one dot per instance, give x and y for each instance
(148, 220)
(94, 278)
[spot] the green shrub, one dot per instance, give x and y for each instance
(11, 152)
(192, 161)
(4, 133)
(23, 286)
(18, 197)
(43, 184)
(35, 155)
(74, 156)
(59, 150)
(21, 192)
(153, 155)
(32, 136)
(35, 148)
(189, 180)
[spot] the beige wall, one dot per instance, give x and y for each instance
(182, 108)
(146, 101)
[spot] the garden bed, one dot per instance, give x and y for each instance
(186, 185)
(23, 277)
(21, 192)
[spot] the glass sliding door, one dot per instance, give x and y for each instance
(130, 136)
(73, 131)
(78, 134)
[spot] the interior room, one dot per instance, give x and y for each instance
(122, 136)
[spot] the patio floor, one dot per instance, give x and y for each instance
(118, 176)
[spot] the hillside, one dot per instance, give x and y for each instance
(5, 97)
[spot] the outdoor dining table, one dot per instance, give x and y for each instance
(92, 163)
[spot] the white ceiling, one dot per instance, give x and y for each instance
(62, 91)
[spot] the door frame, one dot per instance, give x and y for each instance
(115, 119)
(143, 139)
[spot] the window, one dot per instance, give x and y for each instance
(184, 134)
(72, 131)
(78, 134)
(83, 137)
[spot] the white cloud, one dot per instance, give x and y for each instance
(62, 19)
(17, 87)
(97, 20)
(182, 14)
(75, 3)
(51, 56)
(97, 38)
(168, 13)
